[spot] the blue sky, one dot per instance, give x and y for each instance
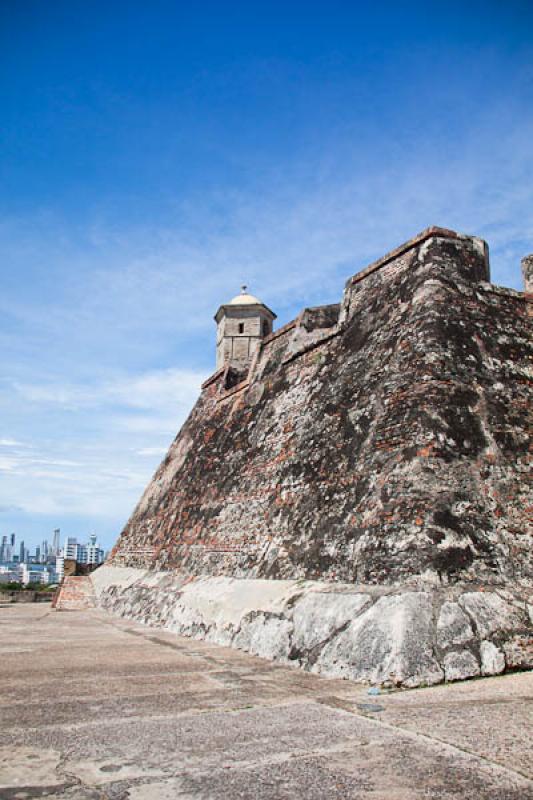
(154, 156)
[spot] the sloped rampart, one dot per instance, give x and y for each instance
(384, 636)
(372, 443)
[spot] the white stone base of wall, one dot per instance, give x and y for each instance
(383, 636)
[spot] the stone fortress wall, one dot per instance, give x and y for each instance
(355, 501)
(378, 441)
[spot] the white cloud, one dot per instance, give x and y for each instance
(130, 291)
(10, 509)
(161, 389)
(158, 390)
(149, 425)
(151, 451)
(98, 461)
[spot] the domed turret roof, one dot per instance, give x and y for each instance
(245, 299)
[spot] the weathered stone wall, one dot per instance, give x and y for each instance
(75, 592)
(24, 596)
(527, 273)
(389, 636)
(386, 443)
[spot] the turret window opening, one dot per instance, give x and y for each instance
(266, 330)
(241, 327)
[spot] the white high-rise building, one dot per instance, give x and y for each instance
(70, 549)
(60, 567)
(56, 547)
(90, 553)
(95, 554)
(35, 573)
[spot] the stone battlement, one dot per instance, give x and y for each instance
(415, 242)
(327, 317)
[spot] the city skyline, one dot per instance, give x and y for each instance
(46, 564)
(33, 548)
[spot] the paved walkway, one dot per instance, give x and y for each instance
(94, 707)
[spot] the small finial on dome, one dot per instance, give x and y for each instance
(244, 288)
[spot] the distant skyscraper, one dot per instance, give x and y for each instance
(37, 554)
(70, 550)
(12, 540)
(22, 553)
(90, 553)
(95, 554)
(55, 546)
(3, 549)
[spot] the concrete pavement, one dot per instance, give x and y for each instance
(95, 708)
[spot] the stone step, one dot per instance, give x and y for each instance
(76, 592)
